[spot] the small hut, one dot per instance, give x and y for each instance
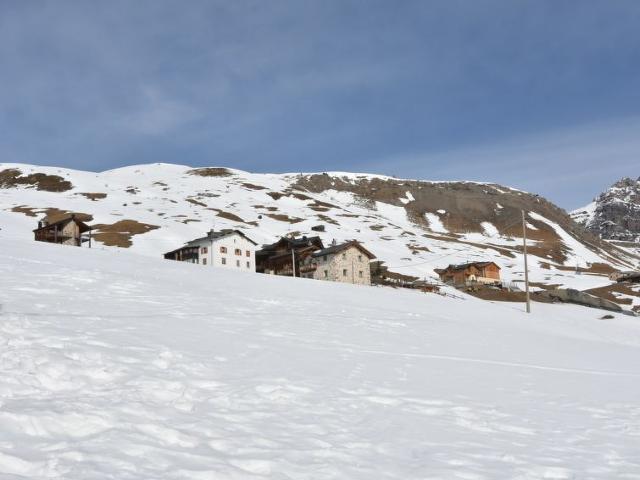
(67, 230)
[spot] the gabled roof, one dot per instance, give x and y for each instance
(67, 218)
(217, 235)
(343, 246)
(464, 266)
(299, 242)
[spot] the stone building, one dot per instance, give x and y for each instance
(346, 262)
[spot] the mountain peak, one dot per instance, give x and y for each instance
(615, 213)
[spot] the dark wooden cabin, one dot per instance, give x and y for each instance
(278, 258)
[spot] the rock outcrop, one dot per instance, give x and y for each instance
(615, 213)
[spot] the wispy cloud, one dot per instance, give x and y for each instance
(569, 165)
(305, 85)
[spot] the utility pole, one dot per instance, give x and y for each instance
(526, 267)
(293, 262)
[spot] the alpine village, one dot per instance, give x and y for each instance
(309, 258)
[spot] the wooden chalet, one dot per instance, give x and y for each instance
(468, 273)
(67, 230)
(281, 257)
(185, 253)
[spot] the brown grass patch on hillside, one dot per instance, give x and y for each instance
(415, 249)
(132, 190)
(93, 196)
(210, 172)
(326, 219)
(193, 201)
(498, 295)
(119, 234)
(12, 178)
(300, 196)
(595, 268)
(608, 293)
(376, 228)
(271, 209)
(251, 186)
(189, 220)
(276, 195)
(284, 218)
(28, 211)
(484, 246)
(231, 216)
(51, 214)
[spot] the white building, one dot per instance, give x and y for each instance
(230, 249)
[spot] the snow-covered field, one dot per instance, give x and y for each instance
(118, 366)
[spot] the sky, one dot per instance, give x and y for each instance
(539, 95)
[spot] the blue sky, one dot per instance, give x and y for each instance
(539, 95)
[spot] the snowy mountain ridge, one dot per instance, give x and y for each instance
(615, 213)
(413, 226)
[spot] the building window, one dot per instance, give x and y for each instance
(344, 256)
(248, 253)
(238, 263)
(204, 261)
(359, 258)
(248, 264)
(223, 249)
(238, 251)
(360, 273)
(324, 258)
(326, 274)
(224, 261)
(203, 250)
(344, 272)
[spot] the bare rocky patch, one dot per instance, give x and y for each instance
(284, 218)
(51, 214)
(119, 234)
(327, 219)
(210, 172)
(276, 195)
(93, 196)
(193, 201)
(251, 186)
(231, 216)
(13, 178)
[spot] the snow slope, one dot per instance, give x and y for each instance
(265, 206)
(118, 366)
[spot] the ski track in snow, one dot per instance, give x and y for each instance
(123, 367)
